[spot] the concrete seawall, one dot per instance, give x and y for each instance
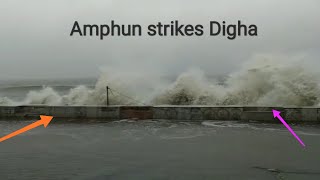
(183, 113)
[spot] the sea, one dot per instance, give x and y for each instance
(160, 149)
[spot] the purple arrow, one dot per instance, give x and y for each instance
(276, 114)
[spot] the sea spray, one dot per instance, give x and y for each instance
(263, 80)
(190, 88)
(6, 101)
(45, 96)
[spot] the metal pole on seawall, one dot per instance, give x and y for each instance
(107, 95)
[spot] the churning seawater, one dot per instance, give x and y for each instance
(150, 149)
(261, 81)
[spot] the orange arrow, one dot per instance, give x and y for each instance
(44, 120)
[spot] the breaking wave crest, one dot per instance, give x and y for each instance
(261, 81)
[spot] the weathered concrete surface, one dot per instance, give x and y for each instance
(136, 112)
(197, 112)
(184, 113)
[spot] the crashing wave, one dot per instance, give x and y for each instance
(261, 81)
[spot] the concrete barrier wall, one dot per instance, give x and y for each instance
(183, 113)
(197, 113)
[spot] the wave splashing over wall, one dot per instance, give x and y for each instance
(266, 81)
(261, 81)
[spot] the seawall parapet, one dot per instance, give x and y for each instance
(181, 113)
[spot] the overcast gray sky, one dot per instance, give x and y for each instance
(35, 41)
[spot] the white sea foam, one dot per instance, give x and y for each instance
(261, 82)
(307, 133)
(229, 124)
(264, 80)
